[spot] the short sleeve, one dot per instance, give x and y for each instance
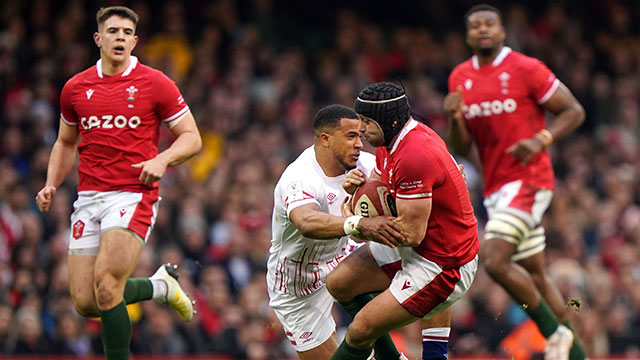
(366, 163)
(452, 84)
(543, 83)
(299, 192)
(170, 105)
(67, 113)
(381, 157)
(416, 175)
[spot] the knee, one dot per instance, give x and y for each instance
(85, 304)
(106, 291)
(337, 288)
(361, 332)
(494, 264)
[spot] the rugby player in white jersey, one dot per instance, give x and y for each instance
(310, 237)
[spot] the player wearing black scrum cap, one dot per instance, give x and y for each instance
(421, 278)
(387, 105)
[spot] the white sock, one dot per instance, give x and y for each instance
(160, 289)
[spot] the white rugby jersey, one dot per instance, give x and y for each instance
(299, 265)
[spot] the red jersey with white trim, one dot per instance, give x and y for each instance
(419, 166)
(118, 118)
(503, 104)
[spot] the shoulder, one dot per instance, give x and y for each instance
(421, 144)
(301, 168)
(525, 62)
(89, 74)
(460, 68)
(153, 74)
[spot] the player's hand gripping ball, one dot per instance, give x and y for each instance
(373, 199)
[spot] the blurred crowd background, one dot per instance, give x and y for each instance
(254, 72)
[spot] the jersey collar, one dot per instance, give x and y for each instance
(497, 61)
(133, 62)
(411, 124)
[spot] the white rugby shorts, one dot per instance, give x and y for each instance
(421, 286)
(96, 212)
(516, 211)
(306, 320)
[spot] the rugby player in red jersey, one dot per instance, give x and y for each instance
(111, 114)
(498, 99)
(437, 262)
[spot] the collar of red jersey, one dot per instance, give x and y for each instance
(411, 124)
(132, 65)
(497, 61)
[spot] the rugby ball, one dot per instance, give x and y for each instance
(373, 199)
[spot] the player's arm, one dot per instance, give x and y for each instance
(413, 217)
(316, 224)
(569, 115)
(459, 137)
(186, 144)
(61, 160)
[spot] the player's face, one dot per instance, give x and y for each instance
(372, 131)
(345, 142)
(485, 34)
(116, 39)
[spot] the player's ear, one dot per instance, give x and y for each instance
(324, 139)
(135, 42)
(96, 38)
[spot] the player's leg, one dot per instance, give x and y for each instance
(84, 242)
(116, 260)
(307, 322)
(514, 211)
(381, 315)
(435, 336)
(535, 265)
(136, 213)
(420, 290)
(346, 286)
(518, 284)
(80, 268)
(322, 352)
(346, 281)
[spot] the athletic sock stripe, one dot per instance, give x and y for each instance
(437, 331)
(435, 338)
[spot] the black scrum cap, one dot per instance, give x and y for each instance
(386, 104)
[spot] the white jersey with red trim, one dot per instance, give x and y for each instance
(118, 118)
(299, 265)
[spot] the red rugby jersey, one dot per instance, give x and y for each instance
(118, 118)
(419, 166)
(503, 104)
